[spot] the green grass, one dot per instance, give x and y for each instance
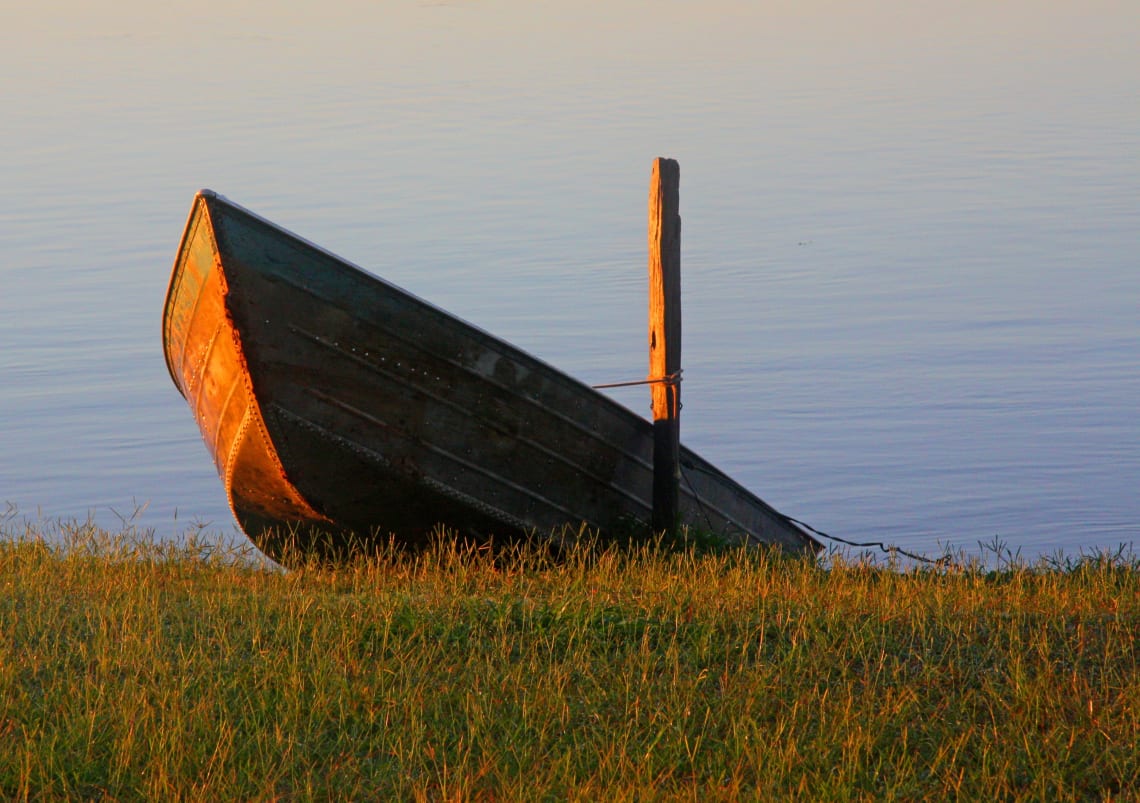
(133, 671)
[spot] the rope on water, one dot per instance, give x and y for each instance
(890, 549)
(675, 379)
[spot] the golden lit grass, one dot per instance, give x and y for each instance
(133, 671)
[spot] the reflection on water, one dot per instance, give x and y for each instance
(910, 290)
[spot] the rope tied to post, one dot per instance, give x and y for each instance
(669, 379)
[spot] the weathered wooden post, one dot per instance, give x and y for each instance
(665, 339)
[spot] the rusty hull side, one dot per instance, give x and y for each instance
(204, 356)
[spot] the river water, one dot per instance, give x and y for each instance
(911, 233)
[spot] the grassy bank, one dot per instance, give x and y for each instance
(139, 672)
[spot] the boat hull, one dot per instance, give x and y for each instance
(334, 402)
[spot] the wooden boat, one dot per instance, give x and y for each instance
(334, 402)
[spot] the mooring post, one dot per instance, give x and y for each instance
(665, 340)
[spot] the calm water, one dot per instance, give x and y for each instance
(911, 232)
